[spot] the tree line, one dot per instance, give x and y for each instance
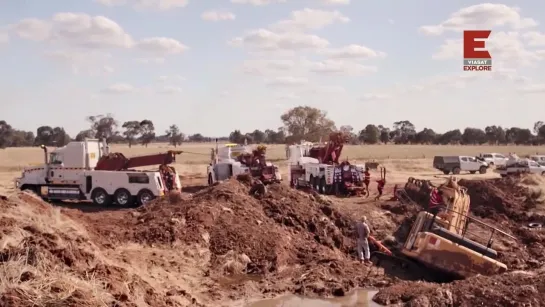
(299, 123)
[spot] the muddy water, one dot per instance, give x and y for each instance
(359, 298)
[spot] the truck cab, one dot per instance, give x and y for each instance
(457, 164)
(521, 166)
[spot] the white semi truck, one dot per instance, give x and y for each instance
(88, 171)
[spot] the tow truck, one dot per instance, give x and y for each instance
(232, 160)
(319, 169)
(86, 170)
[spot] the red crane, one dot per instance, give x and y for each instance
(118, 162)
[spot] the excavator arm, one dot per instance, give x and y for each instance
(118, 161)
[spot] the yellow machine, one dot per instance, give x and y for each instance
(444, 243)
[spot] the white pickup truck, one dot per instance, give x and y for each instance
(539, 159)
(493, 158)
(520, 166)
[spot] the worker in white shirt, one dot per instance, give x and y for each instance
(362, 232)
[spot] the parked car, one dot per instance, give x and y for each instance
(457, 164)
(521, 166)
(539, 159)
(493, 158)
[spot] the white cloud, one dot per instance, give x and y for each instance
(267, 40)
(74, 29)
(266, 67)
(481, 16)
(534, 38)
(287, 82)
(257, 2)
(289, 96)
(335, 67)
(168, 79)
(375, 97)
(89, 63)
(119, 88)
(217, 16)
(161, 45)
(157, 60)
(84, 31)
(353, 52)
(4, 37)
(335, 2)
(309, 19)
(32, 29)
(160, 5)
(533, 88)
(170, 90)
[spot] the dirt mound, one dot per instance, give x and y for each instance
(47, 259)
(297, 241)
(499, 199)
(519, 288)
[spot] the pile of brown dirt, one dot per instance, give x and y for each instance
(295, 239)
(518, 288)
(47, 259)
(285, 241)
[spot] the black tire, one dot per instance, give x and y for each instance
(472, 172)
(144, 196)
(491, 163)
(123, 197)
(311, 182)
(456, 171)
(322, 186)
(100, 197)
(210, 181)
(503, 175)
(482, 170)
(446, 172)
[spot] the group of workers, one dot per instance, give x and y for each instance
(380, 182)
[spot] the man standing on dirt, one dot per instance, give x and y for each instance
(363, 232)
(367, 179)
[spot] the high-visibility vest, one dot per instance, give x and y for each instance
(435, 198)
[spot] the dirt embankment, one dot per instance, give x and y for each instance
(218, 245)
(505, 204)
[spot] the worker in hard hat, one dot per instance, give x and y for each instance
(362, 233)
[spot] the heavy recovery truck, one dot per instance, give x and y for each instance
(319, 168)
(87, 170)
(438, 247)
(233, 160)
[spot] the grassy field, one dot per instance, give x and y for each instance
(401, 161)
(16, 158)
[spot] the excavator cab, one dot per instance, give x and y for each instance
(444, 243)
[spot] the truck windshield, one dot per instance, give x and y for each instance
(54, 158)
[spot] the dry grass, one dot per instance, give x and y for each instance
(29, 274)
(192, 163)
(13, 159)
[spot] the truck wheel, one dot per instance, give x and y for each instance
(144, 196)
(322, 186)
(122, 197)
(100, 197)
(456, 171)
(311, 182)
(446, 172)
(482, 170)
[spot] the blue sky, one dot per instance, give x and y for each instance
(215, 66)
